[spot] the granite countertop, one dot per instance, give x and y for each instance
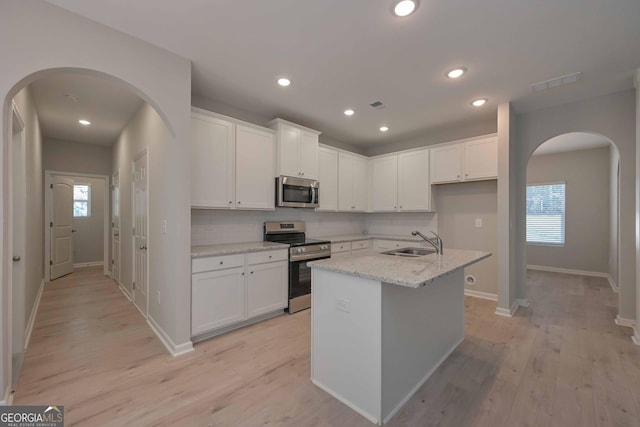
(235, 248)
(355, 237)
(412, 272)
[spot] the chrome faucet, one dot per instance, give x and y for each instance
(436, 242)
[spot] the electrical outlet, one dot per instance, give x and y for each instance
(343, 305)
(478, 222)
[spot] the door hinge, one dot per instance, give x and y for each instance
(51, 224)
(113, 262)
(113, 224)
(133, 231)
(51, 186)
(133, 285)
(50, 262)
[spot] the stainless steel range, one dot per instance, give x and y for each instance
(301, 251)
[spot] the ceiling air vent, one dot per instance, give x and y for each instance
(558, 81)
(378, 105)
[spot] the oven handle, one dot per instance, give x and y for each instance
(309, 257)
(314, 200)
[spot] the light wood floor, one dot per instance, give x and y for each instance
(561, 362)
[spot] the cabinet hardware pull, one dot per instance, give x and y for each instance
(270, 256)
(252, 272)
(221, 262)
(230, 201)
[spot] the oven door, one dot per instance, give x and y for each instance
(300, 284)
(297, 192)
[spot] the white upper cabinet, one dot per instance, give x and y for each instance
(481, 158)
(212, 159)
(352, 183)
(255, 153)
(232, 164)
(400, 182)
(414, 187)
(474, 159)
(384, 172)
(297, 149)
(328, 178)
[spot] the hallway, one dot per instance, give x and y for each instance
(561, 362)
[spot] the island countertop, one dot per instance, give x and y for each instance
(412, 272)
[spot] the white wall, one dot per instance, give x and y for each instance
(33, 258)
(69, 156)
(587, 215)
(612, 116)
(88, 240)
(159, 77)
(614, 162)
(210, 227)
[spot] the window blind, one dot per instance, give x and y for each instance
(546, 213)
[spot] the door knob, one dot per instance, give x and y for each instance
(73, 230)
(16, 258)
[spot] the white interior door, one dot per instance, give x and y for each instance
(140, 222)
(115, 227)
(61, 227)
(19, 237)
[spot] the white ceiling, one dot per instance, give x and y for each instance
(108, 105)
(342, 54)
(571, 142)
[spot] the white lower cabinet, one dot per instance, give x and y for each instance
(387, 245)
(232, 289)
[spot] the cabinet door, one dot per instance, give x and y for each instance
(255, 169)
(446, 163)
(328, 177)
(345, 183)
(288, 150)
(385, 183)
(217, 299)
(308, 155)
(359, 192)
(413, 181)
(481, 158)
(267, 288)
(212, 154)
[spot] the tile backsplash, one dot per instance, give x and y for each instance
(400, 223)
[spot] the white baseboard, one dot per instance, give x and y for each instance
(347, 402)
(421, 382)
(614, 285)
(523, 302)
(567, 271)
(636, 336)
(32, 317)
(88, 264)
(500, 311)
(125, 292)
(483, 295)
(174, 349)
(621, 321)
(8, 397)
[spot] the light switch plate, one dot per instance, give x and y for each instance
(478, 222)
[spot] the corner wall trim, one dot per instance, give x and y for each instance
(32, 317)
(621, 321)
(174, 350)
(88, 264)
(501, 311)
(478, 294)
(613, 284)
(8, 397)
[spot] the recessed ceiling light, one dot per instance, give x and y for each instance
(454, 74)
(283, 81)
(404, 7)
(479, 102)
(384, 128)
(349, 112)
(84, 122)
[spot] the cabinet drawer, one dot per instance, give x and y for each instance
(360, 244)
(267, 256)
(217, 263)
(340, 247)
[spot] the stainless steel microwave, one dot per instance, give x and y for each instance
(295, 192)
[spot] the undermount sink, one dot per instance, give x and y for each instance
(410, 252)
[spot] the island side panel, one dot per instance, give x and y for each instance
(420, 328)
(346, 342)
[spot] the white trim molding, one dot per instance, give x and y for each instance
(500, 311)
(636, 336)
(125, 292)
(567, 271)
(613, 284)
(482, 295)
(32, 317)
(621, 321)
(88, 264)
(174, 349)
(523, 302)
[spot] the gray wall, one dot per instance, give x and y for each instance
(67, 156)
(586, 176)
(614, 163)
(459, 205)
(88, 240)
(612, 116)
(33, 258)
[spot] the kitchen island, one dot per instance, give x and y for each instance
(382, 324)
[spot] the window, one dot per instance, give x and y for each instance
(81, 200)
(545, 214)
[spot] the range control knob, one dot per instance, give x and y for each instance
(300, 250)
